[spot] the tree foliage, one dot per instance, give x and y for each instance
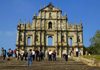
(95, 43)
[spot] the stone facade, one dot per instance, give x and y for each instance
(50, 23)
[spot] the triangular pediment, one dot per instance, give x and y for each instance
(50, 7)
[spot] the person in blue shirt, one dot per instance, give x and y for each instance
(4, 54)
(29, 57)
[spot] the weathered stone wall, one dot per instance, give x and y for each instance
(87, 61)
(39, 27)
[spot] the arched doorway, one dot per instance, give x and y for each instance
(50, 41)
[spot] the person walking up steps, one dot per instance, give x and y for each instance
(29, 57)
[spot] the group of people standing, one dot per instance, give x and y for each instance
(4, 53)
(30, 55)
(35, 55)
(39, 55)
(52, 55)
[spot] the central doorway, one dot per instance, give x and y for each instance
(50, 41)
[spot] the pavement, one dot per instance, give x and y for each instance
(59, 64)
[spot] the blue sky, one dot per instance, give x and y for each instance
(88, 11)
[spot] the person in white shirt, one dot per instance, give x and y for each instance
(33, 54)
(50, 55)
(16, 53)
(22, 53)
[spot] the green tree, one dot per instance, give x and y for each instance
(95, 43)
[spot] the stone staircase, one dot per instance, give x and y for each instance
(60, 64)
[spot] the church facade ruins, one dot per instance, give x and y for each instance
(50, 30)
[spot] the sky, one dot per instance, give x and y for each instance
(88, 11)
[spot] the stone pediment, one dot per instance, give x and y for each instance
(50, 7)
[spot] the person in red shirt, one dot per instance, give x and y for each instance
(15, 53)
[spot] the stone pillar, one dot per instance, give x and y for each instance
(17, 37)
(81, 50)
(75, 51)
(81, 37)
(46, 40)
(35, 20)
(46, 53)
(55, 37)
(42, 38)
(23, 37)
(40, 29)
(60, 52)
(53, 41)
(75, 38)
(18, 40)
(57, 46)
(33, 39)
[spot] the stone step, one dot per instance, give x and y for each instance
(60, 64)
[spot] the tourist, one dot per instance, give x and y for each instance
(33, 54)
(25, 55)
(15, 53)
(1, 51)
(12, 53)
(54, 55)
(29, 57)
(42, 55)
(10, 50)
(76, 53)
(66, 56)
(22, 55)
(9, 54)
(37, 54)
(79, 53)
(71, 53)
(4, 54)
(50, 55)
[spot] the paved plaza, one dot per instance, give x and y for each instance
(60, 64)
